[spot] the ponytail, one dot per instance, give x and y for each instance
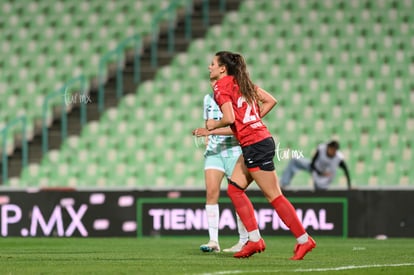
(236, 67)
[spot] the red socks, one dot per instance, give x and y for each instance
(243, 207)
(288, 215)
(283, 207)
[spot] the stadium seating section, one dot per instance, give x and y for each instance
(339, 69)
(46, 43)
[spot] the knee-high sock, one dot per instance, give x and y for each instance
(288, 215)
(243, 206)
(212, 211)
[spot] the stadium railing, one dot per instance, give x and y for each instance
(62, 93)
(105, 60)
(170, 12)
(4, 134)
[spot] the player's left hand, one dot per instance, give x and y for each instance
(200, 132)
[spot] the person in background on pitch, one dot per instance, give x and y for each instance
(323, 166)
(243, 105)
(220, 156)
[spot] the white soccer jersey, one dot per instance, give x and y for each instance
(227, 146)
(325, 164)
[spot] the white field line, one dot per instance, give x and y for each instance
(339, 268)
(352, 267)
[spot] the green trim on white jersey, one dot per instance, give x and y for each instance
(227, 146)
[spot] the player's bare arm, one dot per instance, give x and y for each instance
(267, 101)
(201, 132)
(227, 119)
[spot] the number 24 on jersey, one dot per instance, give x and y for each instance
(250, 114)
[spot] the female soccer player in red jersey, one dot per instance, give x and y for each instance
(243, 105)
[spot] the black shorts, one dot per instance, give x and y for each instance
(259, 156)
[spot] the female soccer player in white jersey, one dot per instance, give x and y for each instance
(220, 156)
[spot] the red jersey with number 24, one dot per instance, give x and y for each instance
(248, 127)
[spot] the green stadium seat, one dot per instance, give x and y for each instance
(53, 38)
(339, 70)
(31, 175)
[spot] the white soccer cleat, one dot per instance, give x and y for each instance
(235, 248)
(211, 246)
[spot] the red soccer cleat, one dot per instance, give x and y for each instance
(250, 248)
(302, 249)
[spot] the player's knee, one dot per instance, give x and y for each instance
(233, 189)
(212, 196)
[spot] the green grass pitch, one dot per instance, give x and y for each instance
(181, 255)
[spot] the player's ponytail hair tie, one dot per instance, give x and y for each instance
(229, 60)
(234, 57)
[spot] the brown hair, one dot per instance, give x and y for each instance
(236, 67)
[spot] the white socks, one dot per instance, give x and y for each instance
(212, 211)
(303, 239)
(254, 235)
(243, 234)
